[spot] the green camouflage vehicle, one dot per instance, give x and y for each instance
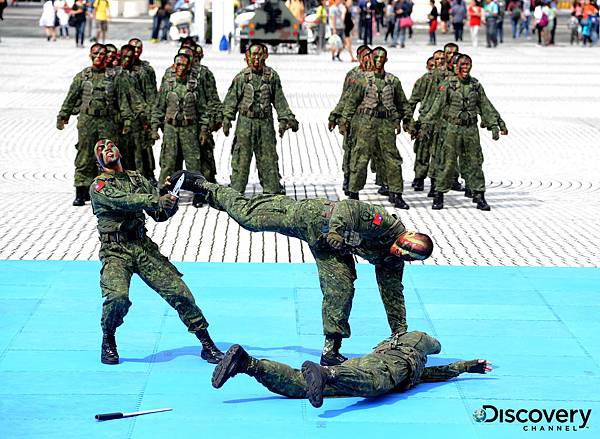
(271, 22)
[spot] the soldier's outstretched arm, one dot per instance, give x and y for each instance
(389, 281)
(354, 97)
(113, 198)
(404, 109)
(489, 115)
(445, 373)
(232, 98)
(336, 113)
(438, 105)
(418, 93)
(73, 96)
(279, 101)
(158, 111)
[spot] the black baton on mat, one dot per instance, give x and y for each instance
(119, 415)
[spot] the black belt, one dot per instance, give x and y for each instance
(373, 113)
(96, 112)
(180, 123)
(123, 236)
(463, 122)
(255, 114)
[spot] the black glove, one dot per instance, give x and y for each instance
(495, 133)
(194, 181)
(331, 125)
(293, 125)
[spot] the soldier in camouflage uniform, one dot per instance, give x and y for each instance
(423, 91)
(363, 54)
(334, 232)
(98, 94)
(395, 365)
(460, 100)
(253, 93)
(145, 81)
(380, 105)
(181, 111)
(119, 200)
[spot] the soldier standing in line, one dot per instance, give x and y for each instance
(253, 93)
(363, 54)
(119, 200)
(460, 100)
(145, 78)
(98, 94)
(181, 110)
(334, 232)
(395, 365)
(380, 106)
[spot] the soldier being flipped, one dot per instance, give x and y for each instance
(334, 232)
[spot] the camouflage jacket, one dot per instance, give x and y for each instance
(422, 92)
(101, 93)
(190, 106)
(146, 82)
(119, 200)
(395, 106)
(351, 78)
(258, 92)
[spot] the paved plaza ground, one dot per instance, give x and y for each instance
(514, 301)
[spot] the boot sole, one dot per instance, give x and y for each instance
(209, 358)
(330, 361)
(109, 361)
(228, 364)
(314, 381)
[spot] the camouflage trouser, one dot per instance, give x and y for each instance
(148, 155)
(90, 130)
(255, 137)
(184, 138)
(423, 152)
(278, 213)
(121, 260)
(141, 148)
(460, 142)
(375, 136)
(372, 375)
(347, 146)
(207, 160)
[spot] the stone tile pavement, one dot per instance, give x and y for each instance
(543, 183)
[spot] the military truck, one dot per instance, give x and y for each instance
(271, 22)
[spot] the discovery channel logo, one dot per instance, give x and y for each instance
(536, 419)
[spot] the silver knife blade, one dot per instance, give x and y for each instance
(178, 185)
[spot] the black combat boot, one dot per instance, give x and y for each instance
(479, 198)
(456, 186)
(345, 184)
(198, 200)
(331, 351)
(399, 202)
(438, 201)
(194, 181)
(431, 192)
(316, 377)
(210, 352)
(234, 361)
(353, 195)
(383, 190)
(468, 193)
(419, 184)
(109, 354)
(79, 196)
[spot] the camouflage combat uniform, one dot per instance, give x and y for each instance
(99, 96)
(252, 95)
(458, 103)
(119, 200)
(395, 365)
(378, 105)
(368, 232)
(181, 110)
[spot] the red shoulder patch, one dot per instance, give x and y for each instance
(99, 185)
(378, 219)
(442, 88)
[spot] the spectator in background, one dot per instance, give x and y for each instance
(336, 22)
(367, 13)
(322, 19)
(409, 5)
(515, 10)
(102, 14)
(490, 12)
(474, 13)
(348, 27)
(390, 18)
(433, 21)
(296, 7)
(459, 14)
(78, 12)
(525, 18)
(589, 23)
(48, 20)
(500, 22)
(444, 15)
(540, 14)
(379, 11)
(3, 4)
(161, 19)
(91, 20)
(552, 13)
(402, 10)
(62, 13)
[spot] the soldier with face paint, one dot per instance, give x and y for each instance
(145, 79)
(395, 365)
(380, 106)
(182, 113)
(119, 200)
(253, 94)
(98, 94)
(334, 232)
(363, 53)
(460, 100)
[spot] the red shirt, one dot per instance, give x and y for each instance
(475, 14)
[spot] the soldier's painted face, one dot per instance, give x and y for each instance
(107, 153)
(439, 60)
(463, 67)
(199, 52)
(449, 52)
(98, 56)
(365, 59)
(255, 57)
(430, 65)
(138, 46)
(412, 246)
(378, 58)
(182, 66)
(127, 58)
(187, 51)
(111, 56)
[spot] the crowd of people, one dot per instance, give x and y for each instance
(78, 14)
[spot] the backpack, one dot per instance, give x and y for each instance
(543, 21)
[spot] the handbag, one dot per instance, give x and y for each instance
(406, 22)
(72, 21)
(543, 21)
